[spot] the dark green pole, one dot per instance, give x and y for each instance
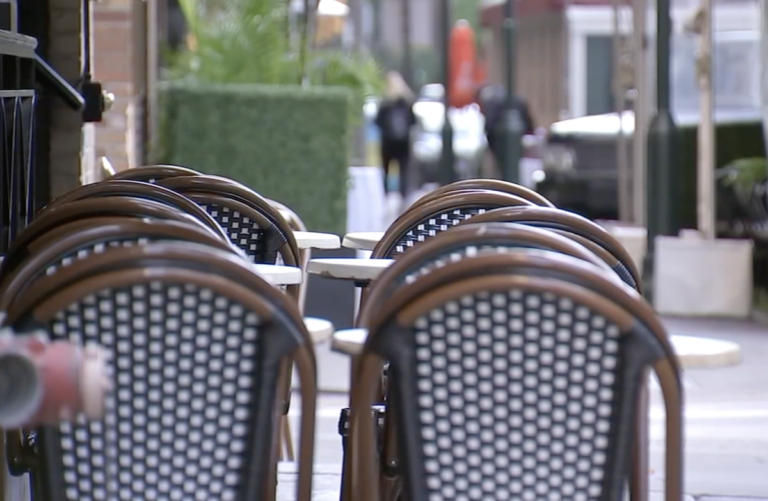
(662, 160)
(407, 66)
(510, 129)
(376, 27)
(447, 172)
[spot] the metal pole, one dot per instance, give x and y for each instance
(764, 54)
(447, 173)
(377, 27)
(662, 160)
(407, 68)
(706, 133)
(640, 63)
(620, 94)
(511, 126)
(356, 7)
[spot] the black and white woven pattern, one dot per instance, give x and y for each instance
(179, 421)
(98, 248)
(433, 226)
(243, 232)
(516, 396)
(457, 255)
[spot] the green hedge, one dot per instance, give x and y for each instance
(286, 142)
(734, 141)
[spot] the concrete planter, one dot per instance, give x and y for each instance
(633, 238)
(698, 277)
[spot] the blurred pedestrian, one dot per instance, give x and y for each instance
(492, 100)
(395, 120)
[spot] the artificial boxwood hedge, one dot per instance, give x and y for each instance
(288, 143)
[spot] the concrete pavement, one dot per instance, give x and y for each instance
(726, 425)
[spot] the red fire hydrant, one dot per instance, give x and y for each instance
(49, 382)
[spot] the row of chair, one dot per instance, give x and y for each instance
(506, 357)
(159, 266)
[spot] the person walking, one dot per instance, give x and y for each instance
(395, 119)
(492, 100)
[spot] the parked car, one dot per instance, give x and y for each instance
(579, 158)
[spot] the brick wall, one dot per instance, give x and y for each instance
(64, 50)
(114, 59)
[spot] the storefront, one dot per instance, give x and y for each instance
(565, 54)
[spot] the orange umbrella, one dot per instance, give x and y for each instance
(462, 55)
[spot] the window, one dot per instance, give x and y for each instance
(736, 71)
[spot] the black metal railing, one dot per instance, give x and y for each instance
(17, 114)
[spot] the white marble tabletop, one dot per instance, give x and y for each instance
(349, 341)
(280, 275)
(362, 270)
(315, 240)
(319, 329)
(697, 352)
(692, 352)
(363, 240)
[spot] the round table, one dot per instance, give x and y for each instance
(315, 240)
(364, 240)
(349, 341)
(319, 329)
(280, 275)
(698, 352)
(359, 270)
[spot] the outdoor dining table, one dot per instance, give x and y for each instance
(280, 275)
(316, 240)
(357, 270)
(364, 240)
(692, 352)
(319, 329)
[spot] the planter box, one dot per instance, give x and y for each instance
(633, 238)
(698, 277)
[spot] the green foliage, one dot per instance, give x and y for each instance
(427, 60)
(248, 41)
(469, 10)
(233, 106)
(744, 174)
(734, 141)
(239, 41)
(286, 142)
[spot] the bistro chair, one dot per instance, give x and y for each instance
(80, 210)
(77, 241)
(511, 379)
(447, 247)
(485, 184)
(137, 189)
(427, 220)
(154, 173)
(251, 222)
(568, 221)
(197, 343)
(296, 224)
(254, 225)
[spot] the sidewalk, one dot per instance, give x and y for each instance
(726, 425)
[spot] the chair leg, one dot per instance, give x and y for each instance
(287, 439)
(639, 465)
